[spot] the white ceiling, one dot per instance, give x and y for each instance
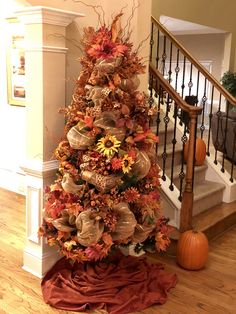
(180, 27)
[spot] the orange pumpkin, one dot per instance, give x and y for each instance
(200, 151)
(192, 250)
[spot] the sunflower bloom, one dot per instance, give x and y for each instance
(127, 162)
(108, 145)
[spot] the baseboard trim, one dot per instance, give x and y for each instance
(12, 181)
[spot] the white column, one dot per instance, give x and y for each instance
(45, 63)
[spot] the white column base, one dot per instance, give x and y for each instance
(38, 256)
(39, 264)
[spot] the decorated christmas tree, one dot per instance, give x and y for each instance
(106, 195)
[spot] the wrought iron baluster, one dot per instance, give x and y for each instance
(158, 119)
(177, 69)
(183, 78)
(164, 155)
(225, 137)
(232, 162)
(151, 43)
(150, 84)
(158, 47)
(174, 141)
(163, 57)
(170, 65)
(156, 89)
(217, 131)
(210, 119)
(190, 84)
(182, 174)
(197, 87)
(194, 154)
(204, 99)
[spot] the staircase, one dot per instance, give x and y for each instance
(207, 194)
(210, 214)
(201, 197)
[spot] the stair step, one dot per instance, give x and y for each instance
(169, 148)
(199, 174)
(213, 222)
(207, 194)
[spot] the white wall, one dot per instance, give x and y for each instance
(12, 118)
(206, 47)
(218, 14)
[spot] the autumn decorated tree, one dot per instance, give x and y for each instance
(106, 195)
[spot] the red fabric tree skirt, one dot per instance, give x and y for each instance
(124, 285)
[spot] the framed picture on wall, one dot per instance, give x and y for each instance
(16, 64)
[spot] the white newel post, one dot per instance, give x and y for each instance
(45, 63)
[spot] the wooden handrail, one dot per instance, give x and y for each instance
(197, 64)
(171, 91)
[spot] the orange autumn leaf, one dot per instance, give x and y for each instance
(40, 232)
(107, 239)
(52, 241)
(162, 242)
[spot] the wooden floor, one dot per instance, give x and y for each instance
(212, 290)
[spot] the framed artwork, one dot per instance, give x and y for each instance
(16, 90)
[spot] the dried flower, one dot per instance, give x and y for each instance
(162, 242)
(116, 163)
(108, 145)
(155, 195)
(75, 255)
(110, 220)
(69, 245)
(146, 136)
(94, 252)
(51, 241)
(131, 195)
(127, 162)
(107, 49)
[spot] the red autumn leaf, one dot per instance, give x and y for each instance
(88, 121)
(140, 137)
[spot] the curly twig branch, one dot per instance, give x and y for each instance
(141, 43)
(96, 10)
(73, 41)
(127, 26)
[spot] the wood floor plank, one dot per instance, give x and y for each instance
(211, 290)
